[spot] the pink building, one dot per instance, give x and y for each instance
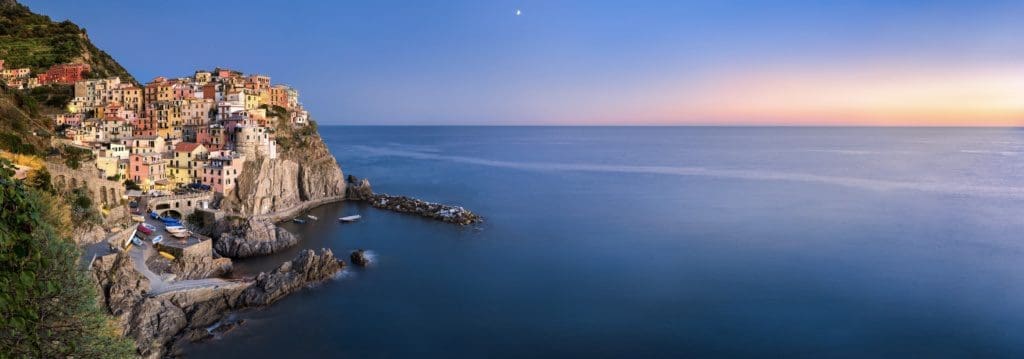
(222, 170)
(70, 119)
(148, 170)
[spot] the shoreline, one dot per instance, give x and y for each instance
(293, 211)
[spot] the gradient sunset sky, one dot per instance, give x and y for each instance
(592, 62)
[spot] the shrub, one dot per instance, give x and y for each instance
(48, 306)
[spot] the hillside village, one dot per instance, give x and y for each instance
(172, 133)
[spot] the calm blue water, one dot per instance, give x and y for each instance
(666, 242)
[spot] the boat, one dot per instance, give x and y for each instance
(170, 220)
(158, 239)
(182, 234)
(352, 218)
(312, 217)
(299, 221)
(175, 229)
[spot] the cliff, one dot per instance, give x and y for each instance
(158, 322)
(304, 175)
(256, 237)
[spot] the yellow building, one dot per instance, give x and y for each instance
(188, 158)
(167, 115)
(252, 99)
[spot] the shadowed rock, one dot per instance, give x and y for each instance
(256, 237)
(359, 258)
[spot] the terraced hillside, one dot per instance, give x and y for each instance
(35, 41)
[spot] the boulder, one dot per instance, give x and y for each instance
(359, 258)
(197, 267)
(357, 189)
(255, 237)
(307, 268)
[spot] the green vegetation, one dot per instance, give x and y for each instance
(290, 137)
(82, 211)
(48, 307)
(74, 156)
(131, 185)
(35, 41)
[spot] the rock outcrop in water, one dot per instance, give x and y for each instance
(307, 268)
(359, 258)
(256, 237)
(157, 323)
(357, 189)
(441, 212)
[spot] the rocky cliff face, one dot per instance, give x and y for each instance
(256, 237)
(196, 267)
(300, 175)
(158, 323)
(307, 267)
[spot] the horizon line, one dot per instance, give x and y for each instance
(671, 125)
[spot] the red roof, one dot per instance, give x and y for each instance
(185, 147)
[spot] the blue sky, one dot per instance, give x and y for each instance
(588, 62)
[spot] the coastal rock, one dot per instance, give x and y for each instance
(254, 238)
(359, 258)
(197, 267)
(153, 323)
(157, 323)
(357, 189)
(120, 285)
(305, 269)
(441, 212)
(285, 184)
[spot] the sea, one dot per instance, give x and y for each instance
(663, 242)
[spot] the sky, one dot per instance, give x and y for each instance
(638, 62)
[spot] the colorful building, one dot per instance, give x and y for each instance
(65, 74)
(222, 170)
(188, 158)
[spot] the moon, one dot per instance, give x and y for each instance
(519, 12)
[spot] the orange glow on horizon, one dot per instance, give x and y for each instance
(866, 97)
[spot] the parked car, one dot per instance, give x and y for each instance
(146, 228)
(138, 218)
(153, 215)
(158, 239)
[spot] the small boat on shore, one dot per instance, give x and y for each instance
(312, 217)
(298, 220)
(352, 218)
(182, 234)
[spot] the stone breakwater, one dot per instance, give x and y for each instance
(441, 212)
(159, 323)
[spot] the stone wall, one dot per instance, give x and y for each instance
(183, 204)
(103, 192)
(199, 250)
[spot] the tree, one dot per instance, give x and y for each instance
(48, 307)
(131, 185)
